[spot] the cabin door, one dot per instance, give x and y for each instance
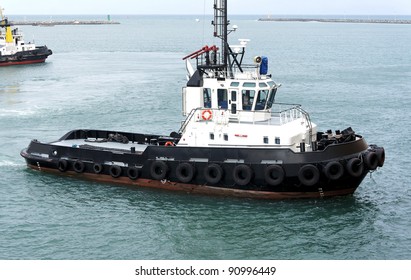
(232, 101)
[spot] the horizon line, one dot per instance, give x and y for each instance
(267, 15)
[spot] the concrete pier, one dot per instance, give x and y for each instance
(69, 22)
(386, 21)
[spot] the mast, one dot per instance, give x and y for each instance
(221, 23)
(228, 57)
(5, 24)
(222, 61)
(3, 19)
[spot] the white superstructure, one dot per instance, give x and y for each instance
(12, 42)
(240, 111)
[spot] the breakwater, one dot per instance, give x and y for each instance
(65, 22)
(386, 21)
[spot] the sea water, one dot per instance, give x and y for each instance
(128, 77)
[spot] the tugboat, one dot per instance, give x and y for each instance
(235, 140)
(13, 49)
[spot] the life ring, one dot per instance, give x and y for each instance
(169, 143)
(158, 170)
(115, 171)
(97, 168)
(242, 174)
(371, 160)
(213, 173)
(133, 173)
(185, 172)
(207, 115)
(309, 175)
(274, 175)
(333, 170)
(381, 156)
(355, 167)
(79, 166)
(62, 165)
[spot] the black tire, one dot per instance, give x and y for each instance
(333, 170)
(79, 166)
(381, 156)
(133, 173)
(158, 170)
(115, 171)
(309, 175)
(274, 175)
(242, 174)
(213, 173)
(371, 160)
(62, 165)
(355, 167)
(97, 168)
(185, 172)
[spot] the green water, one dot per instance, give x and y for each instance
(128, 77)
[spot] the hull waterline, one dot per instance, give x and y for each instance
(24, 62)
(196, 189)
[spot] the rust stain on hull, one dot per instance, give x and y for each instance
(195, 189)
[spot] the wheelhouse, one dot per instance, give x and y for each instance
(248, 95)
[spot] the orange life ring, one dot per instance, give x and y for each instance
(207, 115)
(169, 143)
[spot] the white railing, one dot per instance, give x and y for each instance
(280, 114)
(286, 113)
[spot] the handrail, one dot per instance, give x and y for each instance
(285, 113)
(187, 120)
(308, 120)
(297, 107)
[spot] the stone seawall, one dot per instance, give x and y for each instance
(69, 22)
(386, 21)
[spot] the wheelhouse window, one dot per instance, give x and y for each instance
(248, 99)
(271, 98)
(233, 95)
(233, 101)
(222, 98)
(262, 98)
(249, 85)
(207, 97)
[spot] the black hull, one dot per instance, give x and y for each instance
(247, 172)
(39, 55)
